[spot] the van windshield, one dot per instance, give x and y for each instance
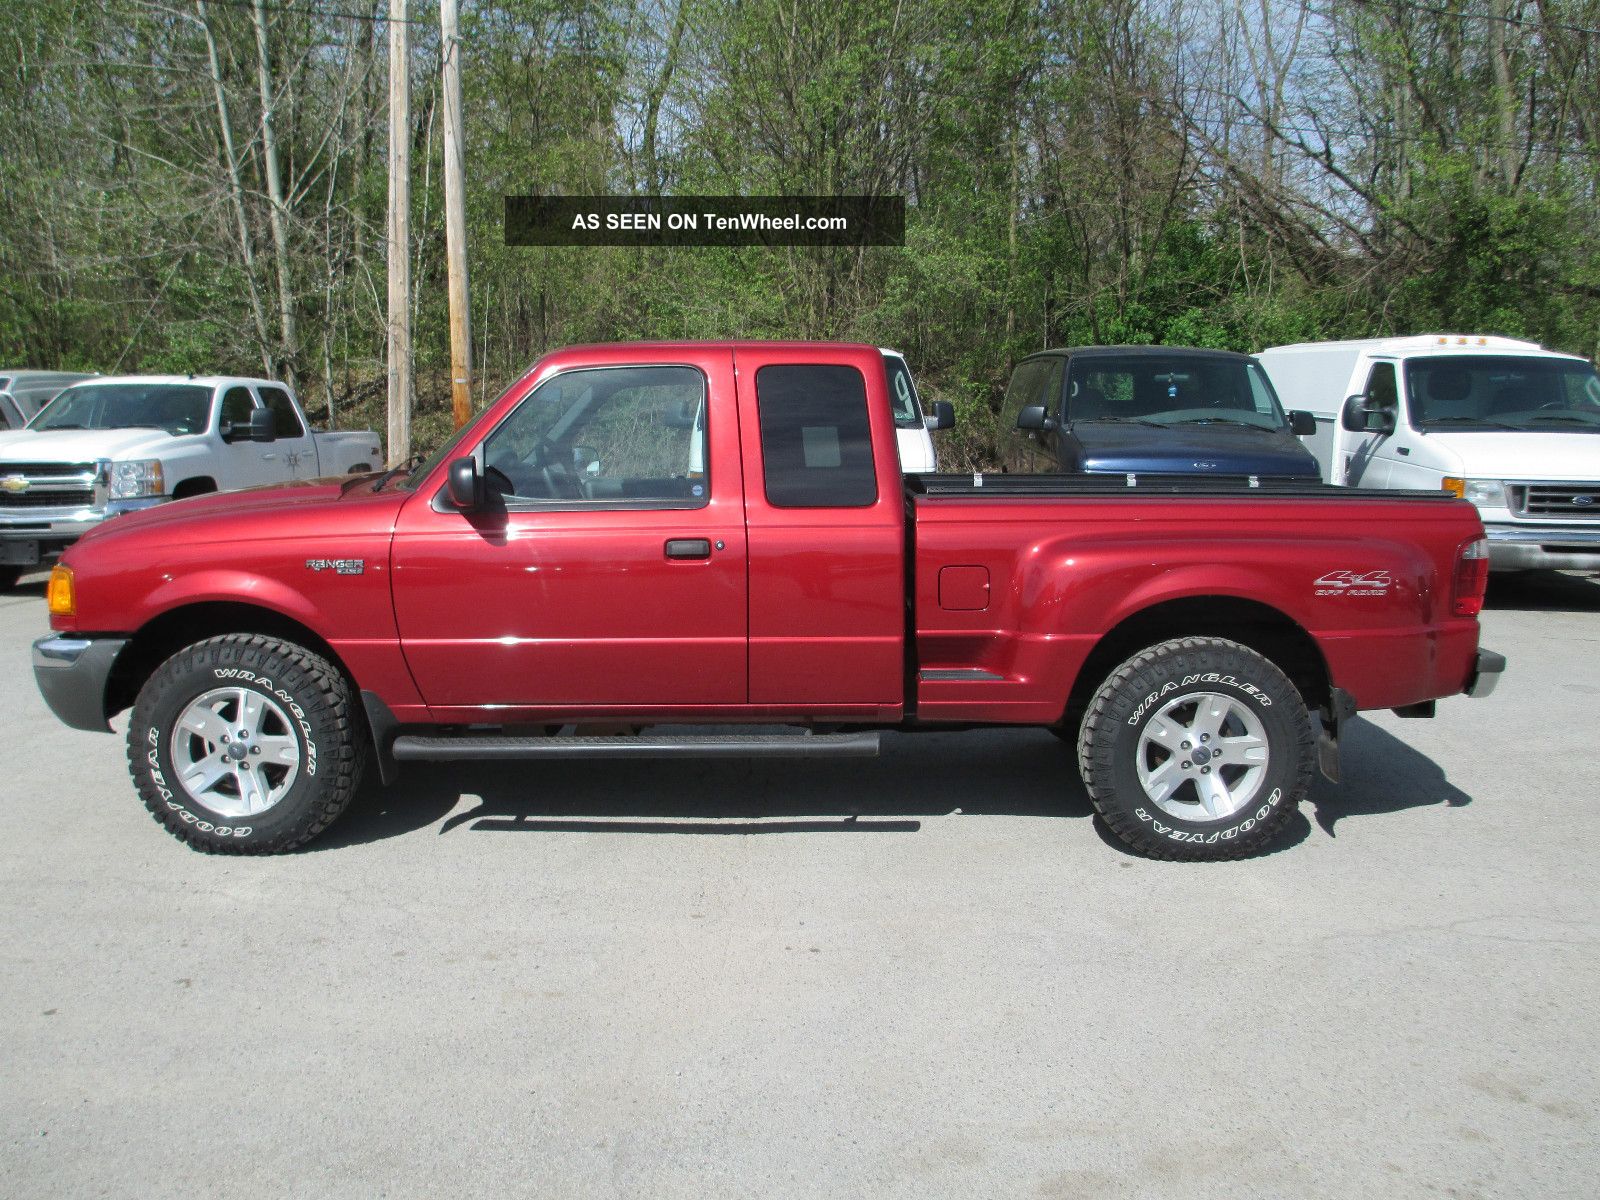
(176, 407)
(1479, 392)
(1177, 389)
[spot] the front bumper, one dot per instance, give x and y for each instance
(1543, 547)
(71, 673)
(1486, 673)
(30, 536)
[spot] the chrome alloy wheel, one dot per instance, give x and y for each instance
(1203, 756)
(235, 752)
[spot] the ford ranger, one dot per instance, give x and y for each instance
(114, 445)
(650, 535)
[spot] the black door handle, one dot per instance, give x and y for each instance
(688, 548)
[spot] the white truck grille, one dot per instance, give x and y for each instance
(1569, 501)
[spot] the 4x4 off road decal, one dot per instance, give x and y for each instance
(1354, 583)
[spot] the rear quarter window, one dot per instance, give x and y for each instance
(816, 436)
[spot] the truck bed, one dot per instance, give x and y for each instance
(1018, 579)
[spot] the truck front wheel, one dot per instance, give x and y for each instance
(1197, 748)
(245, 744)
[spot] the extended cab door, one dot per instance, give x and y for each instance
(825, 509)
(608, 571)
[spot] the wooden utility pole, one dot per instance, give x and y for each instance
(399, 234)
(290, 350)
(455, 219)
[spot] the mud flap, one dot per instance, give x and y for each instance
(1339, 709)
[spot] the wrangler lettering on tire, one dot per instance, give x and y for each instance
(244, 744)
(1196, 748)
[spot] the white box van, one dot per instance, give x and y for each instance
(1508, 425)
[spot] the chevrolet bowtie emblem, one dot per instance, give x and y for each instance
(14, 483)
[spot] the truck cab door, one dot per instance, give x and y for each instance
(240, 462)
(294, 454)
(825, 513)
(1365, 458)
(605, 572)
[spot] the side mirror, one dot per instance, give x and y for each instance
(1034, 418)
(942, 417)
(465, 485)
(1302, 423)
(1358, 417)
(263, 425)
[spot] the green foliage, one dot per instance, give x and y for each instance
(1065, 179)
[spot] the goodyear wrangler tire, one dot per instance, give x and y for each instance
(245, 744)
(1196, 749)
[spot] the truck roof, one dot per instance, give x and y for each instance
(1427, 343)
(717, 344)
(1152, 351)
(211, 381)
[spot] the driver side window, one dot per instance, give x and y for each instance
(237, 404)
(623, 437)
(1382, 390)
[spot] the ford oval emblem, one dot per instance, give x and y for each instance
(1583, 501)
(1202, 466)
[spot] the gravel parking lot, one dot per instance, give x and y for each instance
(930, 974)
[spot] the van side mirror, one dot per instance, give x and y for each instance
(942, 417)
(464, 485)
(1302, 423)
(1035, 419)
(1358, 416)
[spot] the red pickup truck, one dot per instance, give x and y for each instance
(648, 535)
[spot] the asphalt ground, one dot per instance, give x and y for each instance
(932, 974)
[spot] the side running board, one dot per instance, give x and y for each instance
(413, 747)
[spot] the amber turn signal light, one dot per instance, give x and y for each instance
(1456, 487)
(60, 595)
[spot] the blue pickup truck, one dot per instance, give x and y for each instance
(1151, 410)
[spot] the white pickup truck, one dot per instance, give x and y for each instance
(109, 445)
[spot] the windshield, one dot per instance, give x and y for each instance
(176, 407)
(1178, 389)
(1512, 392)
(902, 393)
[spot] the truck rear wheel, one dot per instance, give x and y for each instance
(1197, 748)
(245, 744)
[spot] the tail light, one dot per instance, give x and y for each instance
(1472, 578)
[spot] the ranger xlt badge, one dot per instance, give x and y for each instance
(339, 566)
